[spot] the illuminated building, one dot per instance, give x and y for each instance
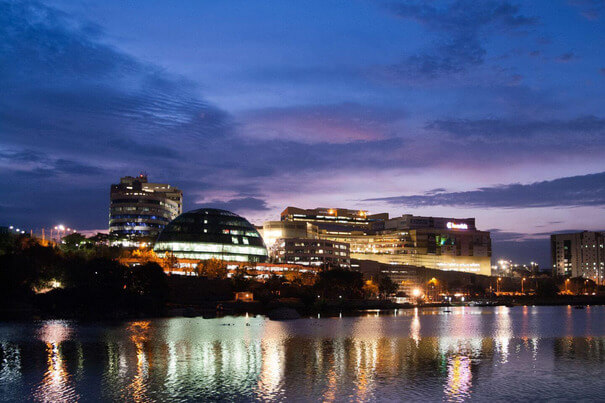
(139, 210)
(409, 221)
(580, 254)
(437, 243)
(336, 217)
(433, 242)
(312, 252)
(274, 230)
(407, 278)
(211, 233)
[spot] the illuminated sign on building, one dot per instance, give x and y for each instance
(453, 225)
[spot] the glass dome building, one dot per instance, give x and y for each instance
(212, 233)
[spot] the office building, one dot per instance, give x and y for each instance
(139, 210)
(434, 242)
(333, 219)
(311, 252)
(580, 254)
(211, 233)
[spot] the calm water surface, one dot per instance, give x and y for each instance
(479, 354)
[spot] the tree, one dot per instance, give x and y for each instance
(386, 286)
(73, 241)
(99, 239)
(212, 268)
(339, 282)
(170, 262)
(148, 280)
(370, 289)
(239, 280)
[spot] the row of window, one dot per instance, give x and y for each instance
(140, 216)
(137, 224)
(318, 251)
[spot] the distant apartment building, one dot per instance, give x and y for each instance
(139, 210)
(311, 252)
(580, 254)
(442, 243)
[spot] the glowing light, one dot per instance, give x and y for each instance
(416, 292)
(453, 225)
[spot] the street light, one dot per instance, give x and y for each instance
(522, 281)
(498, 284)
(566, 283)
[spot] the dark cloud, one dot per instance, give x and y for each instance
(461, 27)
(434, 191)
(567, 57)
(509, 128)
(239, 204)
(590, 9)
(64, 90)
(585, 190)
(29, 163)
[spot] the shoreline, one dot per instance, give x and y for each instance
(218, 308)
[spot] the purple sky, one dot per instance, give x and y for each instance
(491, 109)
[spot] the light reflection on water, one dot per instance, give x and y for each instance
(522, 353)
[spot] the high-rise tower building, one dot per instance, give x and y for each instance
(580, 254)
(139, 210)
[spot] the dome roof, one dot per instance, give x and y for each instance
(212, 233)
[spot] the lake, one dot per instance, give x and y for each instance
(430, 354)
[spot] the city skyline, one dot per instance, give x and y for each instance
(490, 110)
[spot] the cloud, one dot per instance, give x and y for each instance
(239, 204)
(460, 28)
(567, 57)
(574, 191)
(589, 127)
(36, 164)
(589, 9)
(64, 90)
(338, 123)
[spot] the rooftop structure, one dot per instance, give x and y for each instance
(335, 218)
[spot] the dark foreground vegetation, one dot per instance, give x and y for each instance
(85, 280)
(37, 280)
(71, 281)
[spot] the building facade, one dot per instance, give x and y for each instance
(208, 233)
(311, 252)
(442, 243)
(433, 242)
(274, 230)
(580, 254)
(334, 217)
(139, 210)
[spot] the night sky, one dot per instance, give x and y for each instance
(486, 109)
